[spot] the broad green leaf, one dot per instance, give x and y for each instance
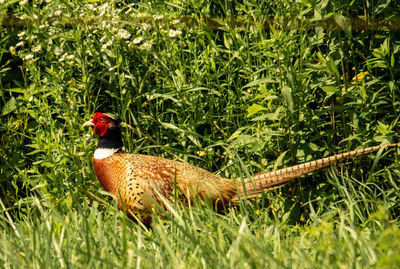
(382, 128)
(47, 164)
(253, 109)
(343, 22)
(287, 95)
(9, 107)
(278, 161)
(329, 89)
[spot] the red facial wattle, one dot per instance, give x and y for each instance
(101, 122)
(100, 129)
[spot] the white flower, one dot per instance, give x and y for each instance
(70, 57)
(105, 24)
(140, 15)
(23, 17)
(35, 16)
(52, 31)
(57, 13)
(23, 2)
(112, 68)
(146, 45)
(123, 34)
(28, 57)
(174, 33)
(106, 45)
(37, 48)
(57, 51)
(21, 34)
(137, 40)
(63, 57)
(102, 39)
(20, 44)
(45, 24)
(30, 98)
(176, 21)
(145, 26)
(158, 17)
(104, 6)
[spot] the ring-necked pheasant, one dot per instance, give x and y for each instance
(138, 180)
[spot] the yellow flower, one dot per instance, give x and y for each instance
(12, 50)
(360, 76)
(201, 153)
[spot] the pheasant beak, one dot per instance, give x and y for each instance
(88, 123)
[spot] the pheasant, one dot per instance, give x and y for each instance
(140, 181)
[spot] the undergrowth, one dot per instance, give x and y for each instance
(233, 87)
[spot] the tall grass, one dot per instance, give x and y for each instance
(234, 87)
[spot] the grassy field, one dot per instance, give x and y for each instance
(235, 87)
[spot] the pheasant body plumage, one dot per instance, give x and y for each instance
(138, 181)
(141, 181)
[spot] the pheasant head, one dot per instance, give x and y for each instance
(108, 128)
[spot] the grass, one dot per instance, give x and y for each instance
(236, 88)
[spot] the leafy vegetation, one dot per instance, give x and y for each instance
(235, 87)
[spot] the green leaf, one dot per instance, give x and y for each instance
(382, 128)
(169, 126)
(18, 90)
(287, 95)
(317, 67)
(343, 23)
(259, 81)
(329, 89)
(333, 68)
(253, 109)
(321, 58)
(9, 107)
(278, 161)
(47, 164)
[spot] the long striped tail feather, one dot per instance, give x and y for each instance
(262, 182)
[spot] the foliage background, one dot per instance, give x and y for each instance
(235, 87)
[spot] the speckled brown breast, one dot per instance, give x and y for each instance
(139, 180)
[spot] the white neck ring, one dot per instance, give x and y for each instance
(101, 153)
